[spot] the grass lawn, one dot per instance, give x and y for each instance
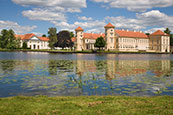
(86, 105)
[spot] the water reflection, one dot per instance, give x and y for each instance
(7, 65)
(86, 77)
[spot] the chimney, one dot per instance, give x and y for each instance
(122, 29)
(134, 30)
(127, 30)
(140, 31)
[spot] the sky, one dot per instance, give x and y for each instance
(36, 16)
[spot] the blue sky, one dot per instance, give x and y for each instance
(36, 16)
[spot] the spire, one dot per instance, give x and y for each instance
(79, 29)
(109, 25)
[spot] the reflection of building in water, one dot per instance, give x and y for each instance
(123, 68)
(110, 70)
(160, 67)
(85, 66)
(131, 67)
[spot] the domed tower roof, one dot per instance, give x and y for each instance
(109, 25)
(79, 29)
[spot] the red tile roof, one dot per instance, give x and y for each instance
(44, 38)
(124, 33)
(92, 35)
(159, 32)
(79, 29)
(109, 25)
(30, 35)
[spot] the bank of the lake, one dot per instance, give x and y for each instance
(86, 105)
(85, 51)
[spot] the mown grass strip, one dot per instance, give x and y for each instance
(86, 105)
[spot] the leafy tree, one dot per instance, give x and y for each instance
(171, 35)
(43, 35)
(71, 34)
(167, 31)
(64, 40)
(4, 38)
(147, 33)
(24, 46)
(100, 42)
(171, 39)
(8, 40)
(53, 37)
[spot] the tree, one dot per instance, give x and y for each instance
(52, 37)
(171, 39)
(4, 38)
(167, 31)
(71, 34)
(147, 33)
(100, 42)
(43, 35)
(64, 40)
(24, 46)
(8, 40)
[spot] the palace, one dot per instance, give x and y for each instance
(33, 41)
(124, 40)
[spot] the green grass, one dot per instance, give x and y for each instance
(86, 105)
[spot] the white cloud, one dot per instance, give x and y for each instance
(155, 17)
(153, 30)
(68, 5)
(51, 11)
(122, 22)
(16, 27)
(92, 26)
(37, 33)
(45, 15)
(152, 18)
(137, 5)
(85, 18)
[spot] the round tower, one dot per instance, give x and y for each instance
(110, 36)
(79, 39)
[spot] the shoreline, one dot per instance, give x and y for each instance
(84, 52)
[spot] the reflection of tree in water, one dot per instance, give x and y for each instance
(7, 65)
(60, 65)
(52, 67)
(101, 65)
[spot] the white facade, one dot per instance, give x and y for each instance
(79, 36)
(35, 43)
(132, 44)
(165, 44)
(110, 38)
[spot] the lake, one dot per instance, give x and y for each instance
(38, 73)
